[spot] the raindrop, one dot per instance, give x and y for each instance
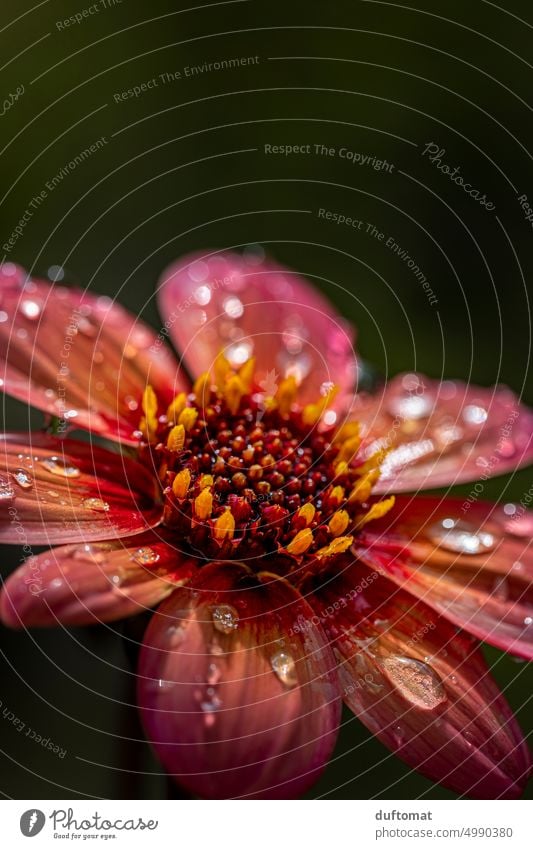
(416, 681)
(410, 407)
(528, 621)
(213, 674)
(95, 504)
(283, 665)
(7, 493)
(145, 556)
(225, 618)
(30, 309)
(22, 478)
(61, 468)
(459, 536)
(474, 414)
(233, 307)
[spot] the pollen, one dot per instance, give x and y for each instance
(224, 526)
(339, 522)
(376, 511)
(149, 422)
(176, 438)
(338, 546)
(188, 417)
(175, 408)
(203, 504)
(181, 483)
(249, 473)
(301, 542)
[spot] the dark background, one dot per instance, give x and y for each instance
(184, 168)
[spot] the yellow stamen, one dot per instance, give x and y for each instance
(338, 523)
(203, 504)
(224, 526)
(341, 467)
(373, 462)
(337, 494)
(233, 392)
(301, 542)
(362, 489)
(148, 423)
(177, 405)
(188, 417)
(349, 448)
(206, 480)
(176, 438)
(202, 387)
(376, 511)
(312, 412)
(286, 394)
(346, 431)
(222, 368)
(336, 546)
(246, 374)
(181, 483)
(307, 513)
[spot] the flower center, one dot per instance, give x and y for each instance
(248, 474)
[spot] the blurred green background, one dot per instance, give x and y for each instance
(182, 166)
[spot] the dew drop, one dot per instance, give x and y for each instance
(22, 478)
(61, 468)
(474, 414)
(410, 407)
(30, 309)
(145, 556)
(459, 536)
(95, 504)
(528, 621)
(283, 665)
(213, 674)
(225, 618)
(7, 493)
(415, 680)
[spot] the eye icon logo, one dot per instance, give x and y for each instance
(32, 822)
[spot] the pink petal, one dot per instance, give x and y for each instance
(443, 433)
(84, 584)
(80, 357)
(254, 307)
(58, 491)
(221, 720)
(422, 687)
(478, 572)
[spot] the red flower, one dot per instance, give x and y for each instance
(257, 510)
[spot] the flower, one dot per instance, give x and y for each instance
(263, 507)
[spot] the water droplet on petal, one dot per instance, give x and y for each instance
(61, 468)
(7, 493)
(410, 406)
(213, 674)
(30, 308)
(22, 478)
(225, 618)
(459, 536)
(283, 665)
(528, 621)
(95, 504)
(474, 414)
(415, 680)
(145, 556)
